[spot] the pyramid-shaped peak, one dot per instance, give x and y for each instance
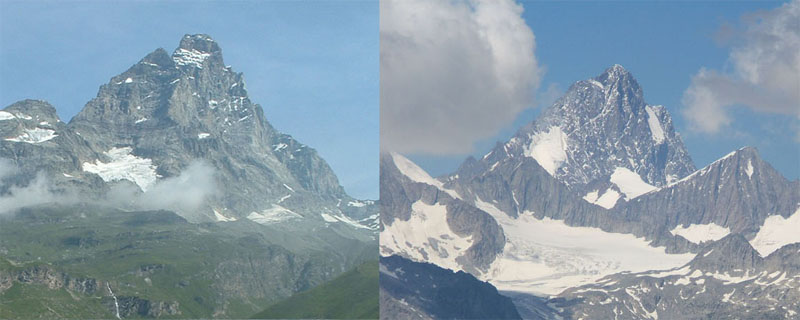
(159, 57)
(729, 253)
(744, 153)
(199, 42)
(616, 73)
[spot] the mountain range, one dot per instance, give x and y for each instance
(594, 192)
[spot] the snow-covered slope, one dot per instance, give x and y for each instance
(546, 256)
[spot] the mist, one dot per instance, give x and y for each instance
(185, 194)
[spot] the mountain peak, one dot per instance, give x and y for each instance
(729, 253)
(159, 57)
(621, 77)
(199, 42)
(196, 50)
(34, 109)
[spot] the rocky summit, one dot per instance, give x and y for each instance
(166, 112)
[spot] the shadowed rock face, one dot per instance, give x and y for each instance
(413, 290)
(173, 109)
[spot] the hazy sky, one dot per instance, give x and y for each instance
(665, 45)
(312, 66)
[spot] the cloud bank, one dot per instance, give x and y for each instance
(764, 73)
(185, 194)
(452, 72)
(35, 193)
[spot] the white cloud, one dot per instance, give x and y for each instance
(185, 193)
(764, 75)
(36, 192)
(452, 72)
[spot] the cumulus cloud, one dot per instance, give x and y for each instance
(452, 72)
(764, 72)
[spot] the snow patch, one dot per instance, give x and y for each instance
(328, 218)
(777, 232)
(183, 57)
(697, 233)
(222, 218)
(596, 83)
(749, 169)
(655, 125)
(203, 135)
(124, 166)
(279, 147)
(140, 121)
(35, 135)
(425, 237)
(415, 173)
(129, 80)
(608, 200)
(275, 214)
(549, 148)
(6, 116)
(547, 256)
(356, 203)
(591, 197)
(630, 183)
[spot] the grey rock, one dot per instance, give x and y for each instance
(416, 290)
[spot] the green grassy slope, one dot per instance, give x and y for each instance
(353, 295)
(227, 270)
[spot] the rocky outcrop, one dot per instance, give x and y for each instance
(48, 277)
(136, 307)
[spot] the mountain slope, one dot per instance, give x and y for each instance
(348, 296)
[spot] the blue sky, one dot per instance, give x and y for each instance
(663, 44)
(312, 66)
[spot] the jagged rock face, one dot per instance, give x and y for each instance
(165, 113)
(599, 125)
(36, 141)
(727, 279)
(174, 109)
(412, 290)
(407, 205)
(738, 192)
